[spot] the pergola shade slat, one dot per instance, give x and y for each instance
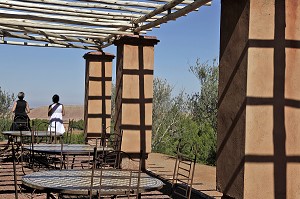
(91, 5)
(65, 19)
(96, 23)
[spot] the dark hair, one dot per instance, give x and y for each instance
(55, 98)
(21, 95)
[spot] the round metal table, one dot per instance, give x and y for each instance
(40, 153)
(29, 133)
(65, 149)
(79, 181)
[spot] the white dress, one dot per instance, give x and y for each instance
(55, 120)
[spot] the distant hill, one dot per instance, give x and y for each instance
(72, 112)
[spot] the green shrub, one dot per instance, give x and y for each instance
(78, 125)
(77, 138)
(40, 124)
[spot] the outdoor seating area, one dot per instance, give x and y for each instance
(241, 113)
(62, 170)
(158, 165)
(47, 165)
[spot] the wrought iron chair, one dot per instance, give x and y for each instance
(183, 174)
(112, 141)
(20, 123)
(40, 136)
(68, 134)
(125, 170)
(118, 161)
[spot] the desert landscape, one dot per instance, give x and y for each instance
(75, 112)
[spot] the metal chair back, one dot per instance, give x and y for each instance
(122, 162)
(20, 123)
(183, 175)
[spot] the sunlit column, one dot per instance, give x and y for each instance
(134, 92)
(98, 82)
(258, 150)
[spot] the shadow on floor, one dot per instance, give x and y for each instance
(167, 189)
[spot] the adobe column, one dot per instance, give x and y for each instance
(258, 154)
(97, 103)
(134, 91)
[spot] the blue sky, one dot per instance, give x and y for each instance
(43, 72)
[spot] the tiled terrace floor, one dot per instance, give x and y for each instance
(158, 164)
(204, 178)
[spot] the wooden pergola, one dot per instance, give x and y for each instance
(85, 24)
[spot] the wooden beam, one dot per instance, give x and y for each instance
(66, 13)
(172, 16)
(157, 11)
(68, 22)
(63, 19)
(43, 45)
(16, 23)
(35, 38)
(184, 2)
(145, 17)
(64, 37)
(90, 5)
(67, 8)
(132, 3)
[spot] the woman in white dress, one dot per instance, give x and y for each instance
(56, 111)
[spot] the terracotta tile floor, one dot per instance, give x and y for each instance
(204, 178)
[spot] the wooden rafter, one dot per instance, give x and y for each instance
(172, 16)
(85, 24)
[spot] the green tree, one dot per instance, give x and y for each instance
(78, 124)
(162, 124)
(204, 104)
(6, 101)
(171, 119)
(203, 107)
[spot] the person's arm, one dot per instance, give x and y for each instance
(63, 110)
(14, 107)
(27, 108)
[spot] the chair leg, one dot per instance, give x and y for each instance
(14, 170)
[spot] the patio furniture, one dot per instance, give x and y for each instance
(110, 140)
(68, 134)
(25, 136)
(120, 161)
(51, 135)
(78, 182)
(20, 123)
(44, 154)
(22, 139)
(13, 145)
(183, 174)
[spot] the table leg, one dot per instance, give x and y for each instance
(14, 169)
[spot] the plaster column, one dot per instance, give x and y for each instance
(258, 146)
(97, 103)
(134, 92)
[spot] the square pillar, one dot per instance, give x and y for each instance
(97, 103)
(258, 142)
(134, 92)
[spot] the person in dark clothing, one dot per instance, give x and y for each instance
(21, 109)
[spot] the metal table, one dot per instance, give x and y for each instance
(79, 181)
(28, 133)
(13, 142)
(62, 150)
(66, 149)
